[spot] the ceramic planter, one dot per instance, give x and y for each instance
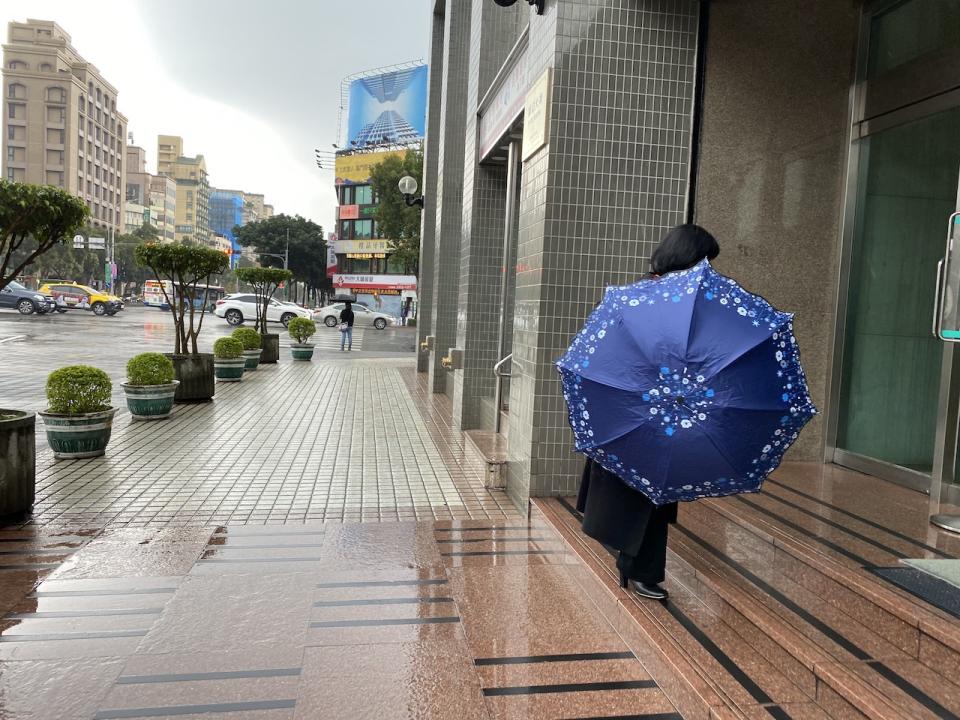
(18, 461)
(301, 351)
(78, 436)
(271, 347)
(229, 369)
(150, 402)
(195, 373)
(252, 358)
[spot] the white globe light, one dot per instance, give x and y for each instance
(408, 185)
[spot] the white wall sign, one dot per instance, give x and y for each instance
(536, 115)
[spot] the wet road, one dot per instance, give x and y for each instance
(31, 346)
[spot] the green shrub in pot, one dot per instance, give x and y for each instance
(301, 330)
(252, 342)
(150, 386)
(78, 418)
(228, 360)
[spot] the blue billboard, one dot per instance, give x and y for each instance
(390, 108)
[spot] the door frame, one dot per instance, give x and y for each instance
(860, 128)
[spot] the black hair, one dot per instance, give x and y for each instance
(681, 248)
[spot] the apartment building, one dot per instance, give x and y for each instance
(60, 121)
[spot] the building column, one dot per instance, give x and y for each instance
(594, 201)
(482, 266)
(448, 192)
(428, 219)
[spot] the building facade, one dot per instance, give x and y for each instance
(163, 202)
(226, 212)
(193, 189)
(60, 121)
(822, 154)
(365, 264)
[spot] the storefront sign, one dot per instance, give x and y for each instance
(331, 254)
(536, 115)
(501, 112)
(375, 282)
(365, 256)
(349, 212)
(345, 247)
(355, 169)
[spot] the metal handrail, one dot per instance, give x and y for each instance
(496, 368)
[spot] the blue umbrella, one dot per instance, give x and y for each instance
(686, 386)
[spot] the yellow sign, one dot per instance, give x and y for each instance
(536, 115)
(355, 169)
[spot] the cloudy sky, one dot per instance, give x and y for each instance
(253, 85)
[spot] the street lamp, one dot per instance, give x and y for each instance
(408, 187)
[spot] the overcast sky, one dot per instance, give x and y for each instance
(253, 85)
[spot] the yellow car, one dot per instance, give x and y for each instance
(71, 295)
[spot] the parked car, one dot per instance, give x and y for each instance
(238, 307)
(74, 295)
(330, 316)
(26, 301)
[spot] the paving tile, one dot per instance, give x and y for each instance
(427, 679)
(57, 688)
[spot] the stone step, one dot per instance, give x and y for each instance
(489, 449)
(749, 638)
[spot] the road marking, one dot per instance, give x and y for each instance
(12, 337)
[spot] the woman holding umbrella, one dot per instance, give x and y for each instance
(680, 386)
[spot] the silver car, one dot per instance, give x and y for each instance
(362, 316)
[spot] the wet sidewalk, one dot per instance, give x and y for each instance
(374, 620)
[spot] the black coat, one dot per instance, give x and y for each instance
(614, 513)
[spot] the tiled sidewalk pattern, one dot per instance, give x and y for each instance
(292, 443)
(439, 620)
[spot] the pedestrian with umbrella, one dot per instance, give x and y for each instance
(680, 386)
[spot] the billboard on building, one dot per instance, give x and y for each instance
(355, 169)
(389, 108)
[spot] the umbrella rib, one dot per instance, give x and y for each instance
(747, 351)
(719, 450)
(643, 422)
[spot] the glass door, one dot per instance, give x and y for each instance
(907, 154)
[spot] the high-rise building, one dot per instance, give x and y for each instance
(163, 202)
(226, 212)
(193, 189)
(60, 121)
(254, 208)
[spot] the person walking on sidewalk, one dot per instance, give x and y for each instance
(346, 327)
(615, 514)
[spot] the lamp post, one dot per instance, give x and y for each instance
(286, 261)
(408, 188)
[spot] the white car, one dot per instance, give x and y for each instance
(238, 307)
(330, 316)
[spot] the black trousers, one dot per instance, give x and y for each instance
(623, 519)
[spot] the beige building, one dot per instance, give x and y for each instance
(193, 189)
(254, 208)
(163, 202)
(60, 121)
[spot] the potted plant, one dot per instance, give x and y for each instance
(265, 282)
(301, 330)
(18, 463)
(78, 418)
(228, 360)
(251, 341)
(34, 219)
(181, 270)
(150, 386)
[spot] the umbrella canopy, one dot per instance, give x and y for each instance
(686, 386)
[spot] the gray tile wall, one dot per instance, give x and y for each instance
(449, 187)
(772, 165)
(594, 201)
(428, 225)
(494, 30)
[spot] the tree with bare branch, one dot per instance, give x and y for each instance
(184, 266)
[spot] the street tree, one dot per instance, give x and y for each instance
(33, 220)
(308, 249)
(146, 233)
(264, 282)
(396, 221)
(184, 266)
